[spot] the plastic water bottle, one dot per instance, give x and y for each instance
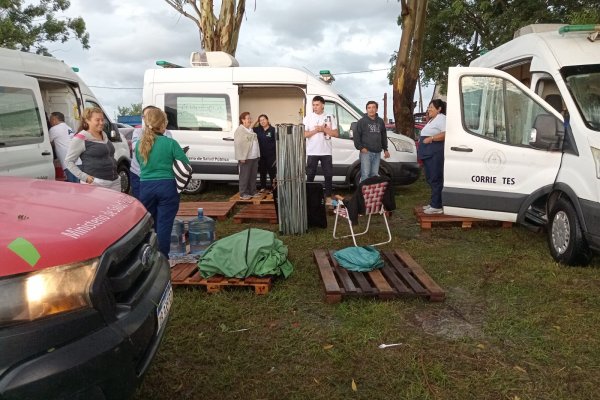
(201, 233)
(177, 248)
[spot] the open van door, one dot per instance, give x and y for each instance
(503, 145)
(25, 148)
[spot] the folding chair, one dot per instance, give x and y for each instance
(373, 195)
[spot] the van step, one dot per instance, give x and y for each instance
(536, 216)
(188, 274)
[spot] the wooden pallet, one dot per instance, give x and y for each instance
(426, 220)
(263, 198)
(187, 274)
(218, 210)
(400, 276)
(255, 213)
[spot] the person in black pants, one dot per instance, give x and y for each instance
(266, 142)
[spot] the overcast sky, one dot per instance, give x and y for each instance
(128, 36)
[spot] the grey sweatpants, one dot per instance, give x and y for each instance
(248, 171)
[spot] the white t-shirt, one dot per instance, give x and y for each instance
(317, 145)
(435, 126)
(61, 135)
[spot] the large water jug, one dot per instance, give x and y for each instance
(201, 233)
(177, 248)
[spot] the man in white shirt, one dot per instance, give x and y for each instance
(60, 136)
(319, 129)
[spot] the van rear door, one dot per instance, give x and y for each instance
(25, 148)
(503, 144)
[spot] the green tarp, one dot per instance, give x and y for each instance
(252, 252)
(359, 259)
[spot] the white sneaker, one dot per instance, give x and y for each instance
(245, 197)
(426, 207)
(432, 210)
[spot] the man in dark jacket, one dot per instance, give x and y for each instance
(370, 138)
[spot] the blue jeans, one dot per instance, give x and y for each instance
(369, 164)
(161, 199)
(134, 181)
(434, 173)
(71, 177)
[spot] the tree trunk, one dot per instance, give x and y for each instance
(216, 34)
(408, 63)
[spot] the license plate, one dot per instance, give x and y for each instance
(164, 307)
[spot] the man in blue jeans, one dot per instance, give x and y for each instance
(370, 138)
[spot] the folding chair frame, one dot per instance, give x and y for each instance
(338, 211)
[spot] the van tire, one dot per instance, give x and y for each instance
(123, 171)
(196, 186)
(565, 238)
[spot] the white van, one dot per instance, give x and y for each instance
(32, 87)
(203, 104)
(510, 154)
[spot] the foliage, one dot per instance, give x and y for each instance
(134, 109)
(514, 325)
(216, 34)
(457, 31)
(34, 25)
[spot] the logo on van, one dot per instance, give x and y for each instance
(494, 160)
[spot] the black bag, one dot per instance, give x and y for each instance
(315, 205)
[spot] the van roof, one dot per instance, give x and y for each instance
(36, 65)
(550, 50)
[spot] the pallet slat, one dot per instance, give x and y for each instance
(256, 212)
(263, 198)
(218, 210)
(187, 274)
(427, 220)
(400, 276)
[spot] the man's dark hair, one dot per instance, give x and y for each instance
(372, 102)
(58, 115)
(319, 99)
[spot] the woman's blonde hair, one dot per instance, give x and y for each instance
(86, 115)
(155, 120)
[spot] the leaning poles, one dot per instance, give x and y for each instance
(291, 179)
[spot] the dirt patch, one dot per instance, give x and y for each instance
(462, 317)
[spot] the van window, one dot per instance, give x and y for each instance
(198, 112)
(498, 110)
(584, 84)
(20, 119)
(344, 118)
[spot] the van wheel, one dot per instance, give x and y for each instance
(123, 172)
(196, 186)
(565, 237)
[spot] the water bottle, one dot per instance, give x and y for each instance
(177, 248)
(201, 233)
(327, 124)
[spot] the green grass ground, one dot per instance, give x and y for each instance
(514, 325)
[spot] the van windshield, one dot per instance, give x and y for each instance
(351, 104)
(584, 84)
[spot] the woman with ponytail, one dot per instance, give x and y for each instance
(158, 189)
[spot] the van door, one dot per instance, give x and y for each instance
(25, 148)
(345, 156)
(503, 144)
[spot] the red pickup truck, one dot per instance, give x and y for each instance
(84, 293)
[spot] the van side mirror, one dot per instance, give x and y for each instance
(547, 133)
(114, 135)
(352, 130)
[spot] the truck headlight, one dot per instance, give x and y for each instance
(47, 292)
(596, 154)
(402, 145)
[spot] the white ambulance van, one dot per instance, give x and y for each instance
(32, 87)
(523, 137)
(203, 103)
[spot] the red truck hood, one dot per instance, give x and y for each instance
(45, 223)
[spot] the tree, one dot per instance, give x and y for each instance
(35, 25)
(135, 109)
(408, 61)
(216, 34)
(457, 31)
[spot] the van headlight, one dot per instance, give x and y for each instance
(47, 292)
(402, 145)
(596, 154)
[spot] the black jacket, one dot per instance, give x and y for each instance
(356, 204)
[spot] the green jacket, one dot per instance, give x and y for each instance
(252, 252)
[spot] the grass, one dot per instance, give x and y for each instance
(514, 325)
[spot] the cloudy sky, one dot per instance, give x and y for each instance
(344, 36)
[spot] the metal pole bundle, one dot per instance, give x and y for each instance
(291, 179)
